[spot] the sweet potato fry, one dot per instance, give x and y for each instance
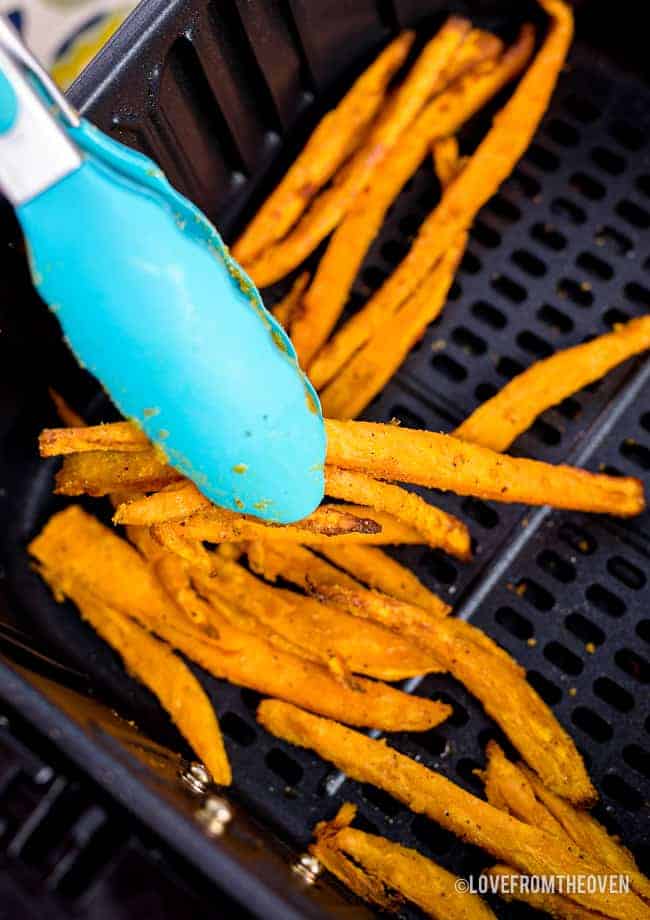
(103, 472)
(294, 563)
(376, 528)
(122, 436)
(66, 413)
(587, 833)
(315, 631)
(399, 869)
(444, 462)
(337, 135)
(497, 422)
(436, 526)
(285, 309)
(357, 880)
(507, 883)
(446, 158)
(173, 503)
(372, 366)
(508, 789)
(154, 664)
(484, 172)
(531, 850)
(297, 564)
(85, 558)
(477, 79)
(424, 79)
(378, 570)
(491, 675)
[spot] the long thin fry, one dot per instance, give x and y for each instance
(510, 885)
(217, 529)
(492, 162)
(425, 78)
(300, 566)
(316, 631)
(475, 79)
(424, 791)
(497, 422)
(404, 616)
(284, 310)
(357, 384)
(85, 558)
(397, 868)
(508, 789)
(436, 526)
(154, 664)
(491, 677)
(337, 135)
(103, 472)
(378, 570)
(444, 462)
(145, 657)
(590, 835)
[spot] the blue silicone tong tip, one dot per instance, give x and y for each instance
(151, 302)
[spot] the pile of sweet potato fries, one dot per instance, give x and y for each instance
(353, 616)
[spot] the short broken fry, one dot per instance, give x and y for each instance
(446, 158)
(531, 850)
(444, 462)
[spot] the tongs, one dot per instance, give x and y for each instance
(153, 305)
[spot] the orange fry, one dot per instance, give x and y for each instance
(122, 436)
(103, 472)
(66, 413)
(357, 384)
(285, 310)
(484, 172)
(173, 503)
(397, 868)
(315, 631)
(337, 135)
(355, 524)
(84, 557)
(497, 422)
(436, 526)
(424, 79)
(475, 83)
(531, 850)
(378, 570)
(446, 157)
(491, 675)
(443, 462)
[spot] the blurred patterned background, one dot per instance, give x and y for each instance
(66, 34)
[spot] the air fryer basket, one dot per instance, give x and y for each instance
(222, 94)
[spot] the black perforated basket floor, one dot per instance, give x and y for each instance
(559, 255)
